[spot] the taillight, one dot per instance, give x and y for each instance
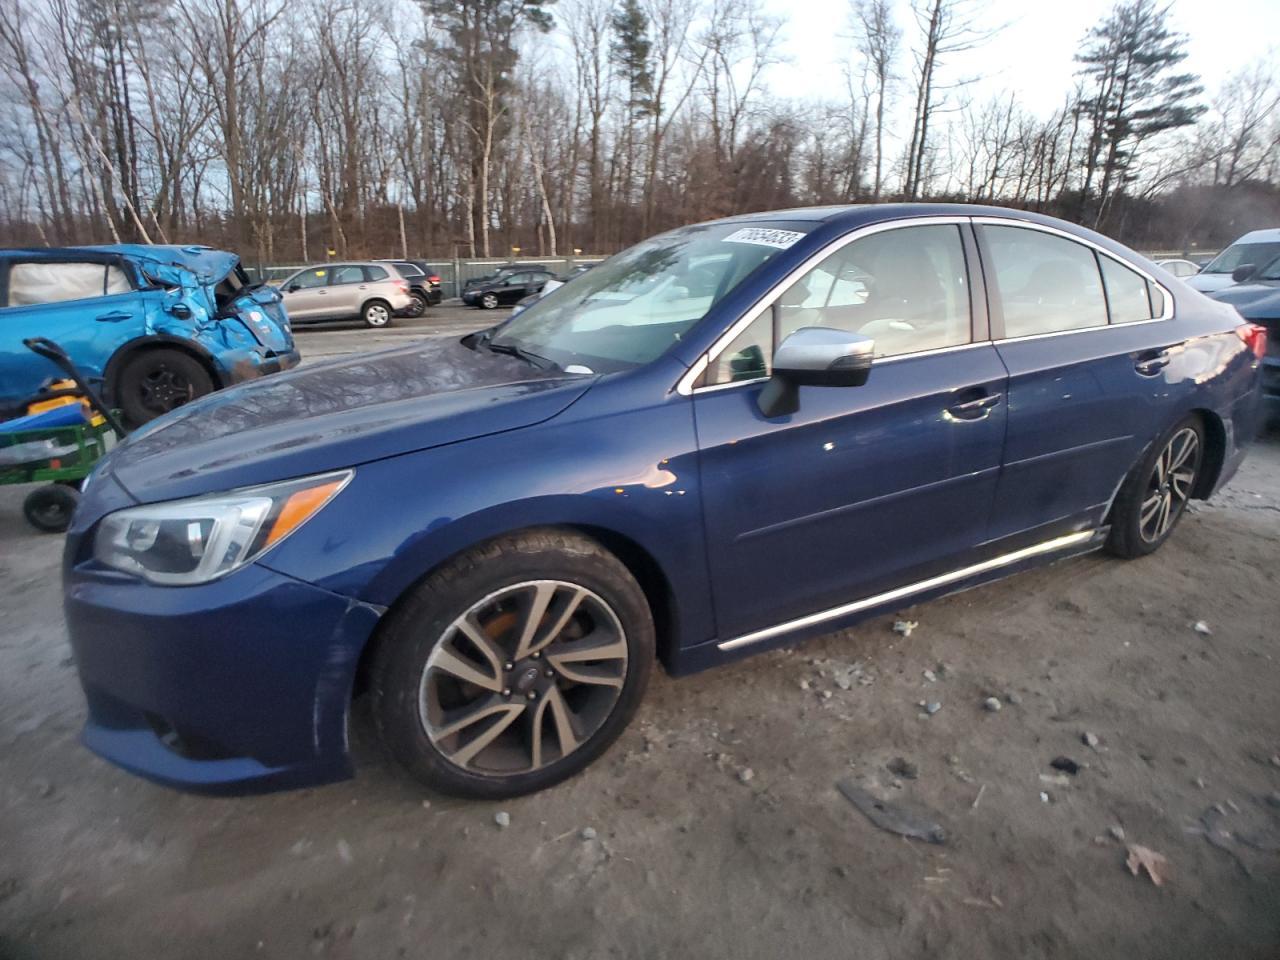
(1254, 336)
(402, 286)
(433, 279)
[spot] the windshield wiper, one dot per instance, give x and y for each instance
(512, 350)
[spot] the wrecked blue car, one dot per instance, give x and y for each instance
(153, 326)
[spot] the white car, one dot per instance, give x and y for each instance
(1179, 268)
(1257, 248)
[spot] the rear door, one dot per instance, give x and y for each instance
(88, 308)
(1081, 335)
(347, 284)
(864, 488)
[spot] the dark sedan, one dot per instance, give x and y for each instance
(506, 289)
(727, 438)
(1258, 301)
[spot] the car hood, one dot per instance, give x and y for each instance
(1255, 301)
(1209, 282)
(338, 414)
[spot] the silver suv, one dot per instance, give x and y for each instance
(371, 292)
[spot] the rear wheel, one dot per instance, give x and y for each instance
(49, 509)
(1154, 497)
(514, 666)
(157, 381)
(376, 314)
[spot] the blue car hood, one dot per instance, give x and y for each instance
(1255, 301)
(337, 414)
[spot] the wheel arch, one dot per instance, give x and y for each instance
(639, 561)
(1215, 443)
(157, 341)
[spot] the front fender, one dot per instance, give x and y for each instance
(632, 473)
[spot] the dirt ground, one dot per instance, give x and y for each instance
(718, 829)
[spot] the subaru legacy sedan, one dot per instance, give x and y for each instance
(724, 439)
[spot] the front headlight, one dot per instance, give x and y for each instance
(185, 542)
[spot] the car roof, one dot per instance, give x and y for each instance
(1270, 235)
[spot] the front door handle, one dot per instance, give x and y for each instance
(977, 409)
(113, 317)
(1149, 366)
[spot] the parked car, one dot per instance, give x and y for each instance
(1237, 263)
(724, 439)
(424, 285)
(153, 326)
(507, 289)
(1179, 268)
(1258, 301)
(372, 292)
(503, 271)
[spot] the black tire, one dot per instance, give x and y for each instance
(1134, 534)
(156, 381)
(488, 301)
(49, 509)
(417, 306)
(424, 620)
(376, 314)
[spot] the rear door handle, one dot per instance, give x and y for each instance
(977, 409)
(113, 317)
(1151, 365)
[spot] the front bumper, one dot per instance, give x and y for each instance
(237, 686)
(1271, 386)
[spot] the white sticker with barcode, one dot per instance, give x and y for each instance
(764, 237)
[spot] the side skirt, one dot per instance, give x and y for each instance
(714, 652)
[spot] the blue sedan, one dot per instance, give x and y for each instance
(724, 439)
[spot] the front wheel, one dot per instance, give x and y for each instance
(376, 314)
(514, 666)
(417, 306)
(489, 301)
(1155, 495)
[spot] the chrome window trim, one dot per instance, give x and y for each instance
(962, 573)
(684, 386)
(1166, 312)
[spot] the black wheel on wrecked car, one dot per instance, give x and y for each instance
(513, 666)
(49, 509)
(376, 313)
(157, 381)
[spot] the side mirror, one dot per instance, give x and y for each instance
(292, 288)
(1242, 273)
(815, 357)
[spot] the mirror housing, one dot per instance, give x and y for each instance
(1243, 272)
(292, 288)
(815, 357)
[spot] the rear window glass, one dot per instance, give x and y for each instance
(347, 274)
(31, 284)
(408, 269)
(375, 273)
(1046, 283)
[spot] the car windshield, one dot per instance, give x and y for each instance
(1239, 254)
(629, 309)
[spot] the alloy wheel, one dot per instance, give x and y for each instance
(1170, 485)
(489, 300)
(523, 678)
(164, 389)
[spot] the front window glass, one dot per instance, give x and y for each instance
(1271, 271)
(906, 288)
(310, 278)
(1047, 284)
(634, 306)
(1238, 254)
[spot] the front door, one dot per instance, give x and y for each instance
(864, 488)
(306, 294)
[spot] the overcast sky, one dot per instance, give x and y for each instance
(1033, 55)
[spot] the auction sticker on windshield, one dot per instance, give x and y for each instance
(764, 237)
